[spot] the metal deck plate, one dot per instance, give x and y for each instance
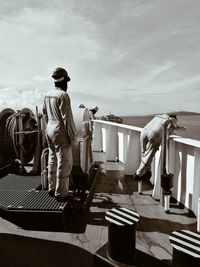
(38, 201)
(29, 201)
(17, 182)
(7, 198)
(19, 193)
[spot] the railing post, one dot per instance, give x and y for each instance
(126, 137)
(104, 134)
(157, 172)
(133, 154)
(112, 143)
(140, 187)
(196, 187)
(97, 137)
(198, 217)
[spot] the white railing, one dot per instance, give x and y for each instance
(122, 142)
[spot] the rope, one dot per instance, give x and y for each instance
(9, 136)
(6, 146)
(8, 128)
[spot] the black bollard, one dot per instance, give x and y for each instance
(122, 234)
(186, 248)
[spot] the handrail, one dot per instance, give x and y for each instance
(186, 141)
(125, 126)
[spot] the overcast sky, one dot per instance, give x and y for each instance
(127, 57)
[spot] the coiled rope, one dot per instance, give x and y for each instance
(9, 137)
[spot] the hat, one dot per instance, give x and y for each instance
(60, 74)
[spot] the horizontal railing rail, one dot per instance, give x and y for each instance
(122, 142)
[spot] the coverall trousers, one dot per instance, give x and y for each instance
(59, 167)
(149, 145)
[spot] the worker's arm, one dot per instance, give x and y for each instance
(172, 125)
(66, 113)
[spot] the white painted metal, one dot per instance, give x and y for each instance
(140, 187)
(157, 175)
(126, 137)
(97, 137)
(198, 217)
(111, 143)
(166, 202)
(132, 154)
(120, 147)
(196, 184)
(104, 129)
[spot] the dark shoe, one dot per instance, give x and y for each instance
(136, 177)
(69, 197)
(147, 175)
(144, 177)
(72, 188)
(51, 193)
(61, 199)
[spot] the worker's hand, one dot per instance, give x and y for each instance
(180, 128)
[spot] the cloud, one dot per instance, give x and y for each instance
(138, 52)
(18, 99)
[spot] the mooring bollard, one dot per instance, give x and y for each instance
(122, 234)
(186, 248)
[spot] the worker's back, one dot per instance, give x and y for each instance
(154, 127)
(57, 113)
(53, 101)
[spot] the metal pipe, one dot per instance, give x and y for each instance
(44, 172)
(166, 202)
(140, 187)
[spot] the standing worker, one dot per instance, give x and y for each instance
(61, 135)
(150, 140)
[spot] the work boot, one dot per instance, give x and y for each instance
(137, 178)
(66, 198)
(51, 193)
(147, 176)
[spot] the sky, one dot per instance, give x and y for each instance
(128, 57)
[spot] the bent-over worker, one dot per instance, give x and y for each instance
(150, 140)
(60, 133)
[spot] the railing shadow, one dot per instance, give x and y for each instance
(162, 225)
(101, 202)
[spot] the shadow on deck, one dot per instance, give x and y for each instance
(113, 189)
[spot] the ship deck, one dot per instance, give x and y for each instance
(113, 189)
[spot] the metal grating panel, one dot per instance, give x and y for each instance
(17, 182)
(8, 198)
(39, 201)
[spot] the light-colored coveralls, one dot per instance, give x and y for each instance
(61, 134)
(150, 140)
